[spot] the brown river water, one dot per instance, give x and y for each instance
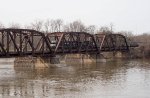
(113, 79)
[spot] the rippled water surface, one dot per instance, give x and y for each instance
(114, 79)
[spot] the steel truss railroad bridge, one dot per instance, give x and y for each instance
(24, 42)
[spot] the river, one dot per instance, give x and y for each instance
(113, 79)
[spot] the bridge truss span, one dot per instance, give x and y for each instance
(72, 42)
(24, 42)
(111, 42)
(21, 42)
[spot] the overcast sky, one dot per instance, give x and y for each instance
(128, 15)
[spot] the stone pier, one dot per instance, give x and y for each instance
(83, 58)
(36, 62)
(115, 55)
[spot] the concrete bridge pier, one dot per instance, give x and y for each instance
(82, 58)
(36, 62)
(25, 62)
(119, 54)
(51, 60)
(100, 58)
(109, 56)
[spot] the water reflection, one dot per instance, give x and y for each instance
(120, 78)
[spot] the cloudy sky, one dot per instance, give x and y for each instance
(128, 15)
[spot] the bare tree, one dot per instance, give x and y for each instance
(111, 27)
(47, 27)
(66, 28)
(105, 30)
(15, 25)
(37, 25)
(28, 27)
(126, 33)
(55, 25)
(1, 25)
(59, 25)
(76, 26)
(91, 29)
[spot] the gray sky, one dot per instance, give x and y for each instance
(129, 15)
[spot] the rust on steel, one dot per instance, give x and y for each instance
(111, 42)
(23, 42)
(72, 42)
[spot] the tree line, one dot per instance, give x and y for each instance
(58, 25)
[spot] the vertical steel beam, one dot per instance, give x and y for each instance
(20, 43)
(7, 49)
(14, 42)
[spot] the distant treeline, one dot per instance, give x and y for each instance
(58, 25)
(143, 40)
